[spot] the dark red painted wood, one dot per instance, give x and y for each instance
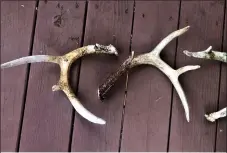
(16, 29)
(201, 86)
(48, 115)
(222, 124)
(148, 100)
(107, 23)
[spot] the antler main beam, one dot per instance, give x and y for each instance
(211, 55)
(65, 63)
(153, 58)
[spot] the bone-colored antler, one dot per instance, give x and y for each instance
(65, 62)
(208, 54)
(211, 55)
(216, 115)
(153, 58)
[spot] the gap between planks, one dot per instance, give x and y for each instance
(78, 78)
(220, 72)
(126, 82)
(27, 75)
(174, 66)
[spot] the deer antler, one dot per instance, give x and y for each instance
(211, 55)
(208, 54)
(216, 115)
(65, 62)
(153, 58)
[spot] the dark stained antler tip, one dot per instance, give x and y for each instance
(100, 96)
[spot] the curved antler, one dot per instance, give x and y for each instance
(65, 63)
(153, 58)
(211, 55)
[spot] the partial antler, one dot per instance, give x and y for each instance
(216, 115)
(153, 58)
(208, 54)
(211, 55)
(65, 62)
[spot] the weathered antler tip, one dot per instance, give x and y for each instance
(132, 53)
(55, 88)
(187, 53)
(6, 65)
(2, 66)
(196, 67)
(101, 121)
(188, 119)
(110, 49)
(209, 118)
(185, 28)
(113, 49)
(98, 93)
(100, 96)
(208, 49)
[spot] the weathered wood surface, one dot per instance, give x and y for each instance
(16, 30)
(153, 118)
(48, 114)
(201, 86)
(221, 139)
(148, 99)
(107, 23)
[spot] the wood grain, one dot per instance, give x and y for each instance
(201, 86)
(107, 23)
(148, 100)
(222, 124)
(16, 29)
(48, 115)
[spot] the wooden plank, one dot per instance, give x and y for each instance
(148, 101)
(107, 23)
(200, 86)
(222, 124)
(16, 29)
(48, 115)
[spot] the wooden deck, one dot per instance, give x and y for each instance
(143, 111)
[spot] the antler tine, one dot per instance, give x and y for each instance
(153, 58)
(186, 69)
(173, 75)
(65, 87)
(178, 87)
(169, 38)
(65, 63)
(30, 59)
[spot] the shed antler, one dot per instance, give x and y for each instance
(65, 63)
(211, 55)
(208, 54)
(216, 115)
(153, 58)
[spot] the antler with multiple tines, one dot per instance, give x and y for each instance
(65, 62)
(211, 55)
(152, 58)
